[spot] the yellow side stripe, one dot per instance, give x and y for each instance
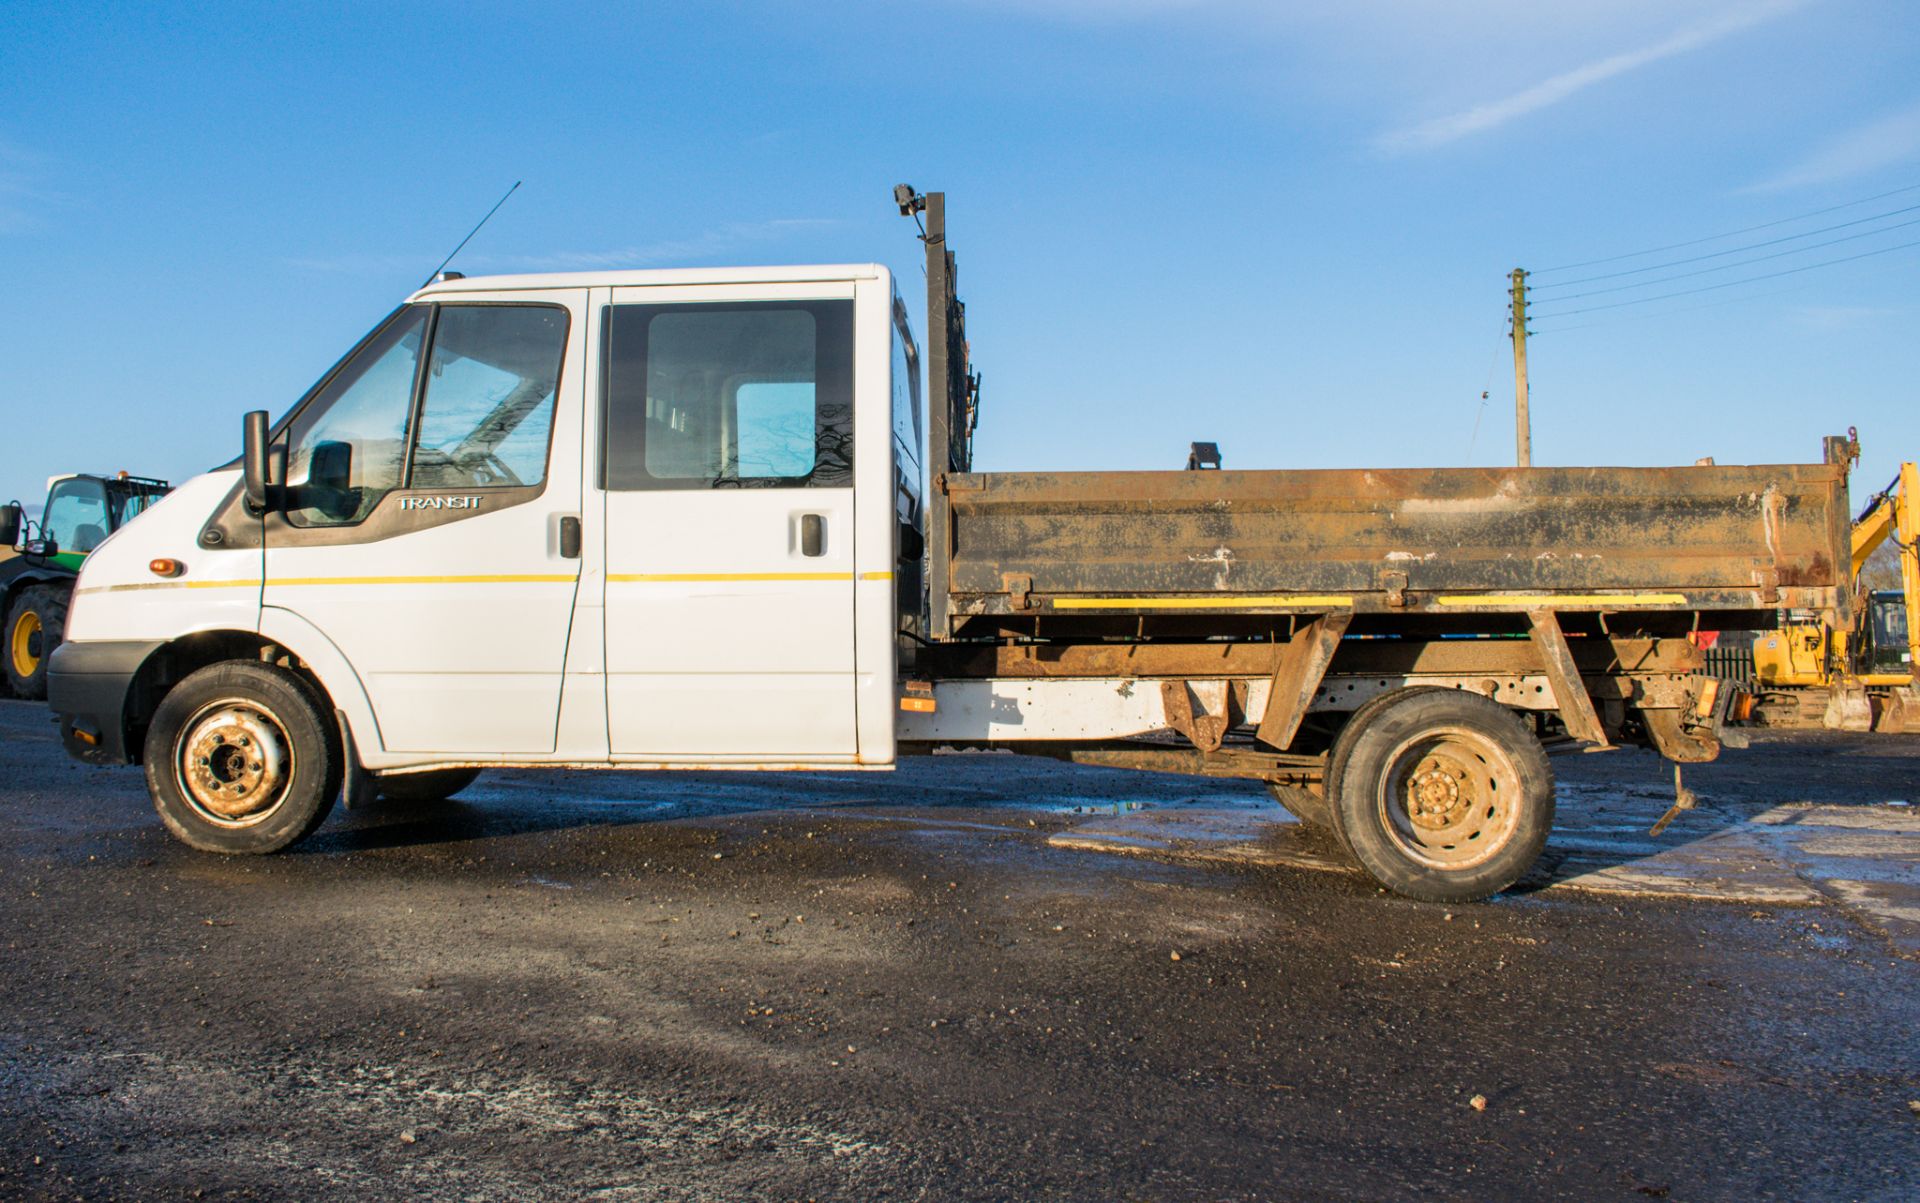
(728, 576)
(1193, 603)
(171, 585)
(527, 578)
(537, 578)
(1562, 599)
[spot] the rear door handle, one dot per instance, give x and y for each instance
(570, 538)
(813, 534)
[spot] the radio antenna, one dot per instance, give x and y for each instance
(470, 233)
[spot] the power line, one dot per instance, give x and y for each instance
(1687, 292)
(1666, 313)
(1798, 250)
(1663, 314)
(1765, 225)
(1751, 246)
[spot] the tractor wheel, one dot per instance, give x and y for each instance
(34, 624)
(435, 786)
(243, 757)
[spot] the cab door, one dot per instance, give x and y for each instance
(430, 526)
(727, 470)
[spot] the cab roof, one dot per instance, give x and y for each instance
(807, 274)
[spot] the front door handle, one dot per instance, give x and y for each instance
(570, 538)
(813, 534)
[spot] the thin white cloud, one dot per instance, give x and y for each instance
(1440, 131)
(1829, 318)
(1892, 140)
(719, 241)
(21, 198)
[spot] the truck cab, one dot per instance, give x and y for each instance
(645, 519)
(82, 510)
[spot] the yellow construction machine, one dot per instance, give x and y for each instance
(1860, 677)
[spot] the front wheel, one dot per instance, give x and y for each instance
(1444, 796)
(241, 757)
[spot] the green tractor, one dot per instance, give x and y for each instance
(39, 561)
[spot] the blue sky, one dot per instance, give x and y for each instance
(1282, 227)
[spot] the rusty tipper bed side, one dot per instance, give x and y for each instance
(1714, 547)
(1393, 651)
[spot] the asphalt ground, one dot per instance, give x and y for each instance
(927, 985)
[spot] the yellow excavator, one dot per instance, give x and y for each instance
(1858, 678)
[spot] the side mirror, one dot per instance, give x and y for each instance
(9, 524)
(253, 459)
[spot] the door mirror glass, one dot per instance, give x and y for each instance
(9, 524)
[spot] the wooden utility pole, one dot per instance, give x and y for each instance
(1522, 425)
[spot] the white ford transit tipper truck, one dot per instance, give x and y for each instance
(700, 519)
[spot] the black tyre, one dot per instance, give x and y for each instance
(34, 624)
(242, 757)
(435, 786)
(1342, 750)
(1442, 795)
(1313, 810)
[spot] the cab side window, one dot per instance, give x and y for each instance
(488, 408)
(475, 412)
(347, 448)
(746, 395)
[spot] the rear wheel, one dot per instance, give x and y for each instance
(1313, 810)
(435, 786)
(34, 624)
(1442, 795)
(241, 757)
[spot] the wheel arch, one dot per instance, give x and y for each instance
(13, 586)
(283, 639)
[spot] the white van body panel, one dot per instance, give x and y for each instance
(725, 643)
(459, 631)
(691, 632)
(118, 596)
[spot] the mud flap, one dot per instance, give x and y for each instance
(1680, 744)
(357, 786)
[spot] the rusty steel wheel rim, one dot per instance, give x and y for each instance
(234, 762)
(20, 643)
(1450, 798)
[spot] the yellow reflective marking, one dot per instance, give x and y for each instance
(1562, 599)
(876, 576)
(529, 578)
(1193, 603)
(729, 576)
(524, 578)
(171, 585)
